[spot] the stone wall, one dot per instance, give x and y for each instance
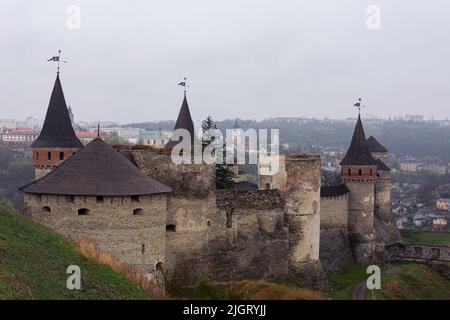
(136, 239)
(419, 252)
(366, 248)
(334, 212)
(240, 236)
(335, 250)
(193, 180)
(277, 180)
(302, 214)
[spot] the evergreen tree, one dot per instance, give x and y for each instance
(207, 124)
(224, 175)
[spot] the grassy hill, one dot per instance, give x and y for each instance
(428, 238)
(34, 260)
(414, 282)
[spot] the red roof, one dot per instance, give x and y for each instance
(87, 134)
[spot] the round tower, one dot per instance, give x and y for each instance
(359, 173)
(383, 183)
(57, 141)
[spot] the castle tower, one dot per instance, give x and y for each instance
(385, 226)
(184, 121)
(100, 197)
(359, 174)
(57, 140)
(383, 183)
(302, 214)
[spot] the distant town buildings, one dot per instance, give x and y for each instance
(155, 139)
(87, 136)
(20, 136)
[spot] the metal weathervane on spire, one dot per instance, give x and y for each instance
(359, 106)
(184, 84)
(57, 59)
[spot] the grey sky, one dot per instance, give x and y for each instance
(249, 58)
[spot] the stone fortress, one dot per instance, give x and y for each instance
(164, 218)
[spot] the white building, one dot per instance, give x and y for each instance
(22, 136)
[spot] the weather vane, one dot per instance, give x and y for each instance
(359, 106)
(184, 84)
(57, 59)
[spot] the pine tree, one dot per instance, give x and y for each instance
(207, 124)
(224, 175)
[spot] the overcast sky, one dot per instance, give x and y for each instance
(249, 58)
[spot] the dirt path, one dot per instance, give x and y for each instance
(359, 292)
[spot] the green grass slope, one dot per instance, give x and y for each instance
(34, 260)
(413, 282)
(428, 238)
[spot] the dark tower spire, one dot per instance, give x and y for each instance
(57, 141)
(184, 121)
(57, 130)
(358, 152)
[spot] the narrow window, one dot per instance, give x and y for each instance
(143, 249)
(61, 156)
(70, 199)
(209, 223)
(99, 199)
(46, 209)
(371, 172)
(349, 172)
(138, 211)
(49, 155)
(37, 155)
(159, 267)
(360, 172)
(83, 212)
(267, 186)
(229, 217)
(135, 199)
(171, 228)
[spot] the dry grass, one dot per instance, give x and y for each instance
(263, 290)
(152, 289)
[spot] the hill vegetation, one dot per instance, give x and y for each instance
(34, 260)
(414, 282)
(427, 238)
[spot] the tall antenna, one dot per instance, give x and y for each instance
(98, 130)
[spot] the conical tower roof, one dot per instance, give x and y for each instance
(57, 131)
(96, 170)
(374, 145)
(184, 121)
(358, 153)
